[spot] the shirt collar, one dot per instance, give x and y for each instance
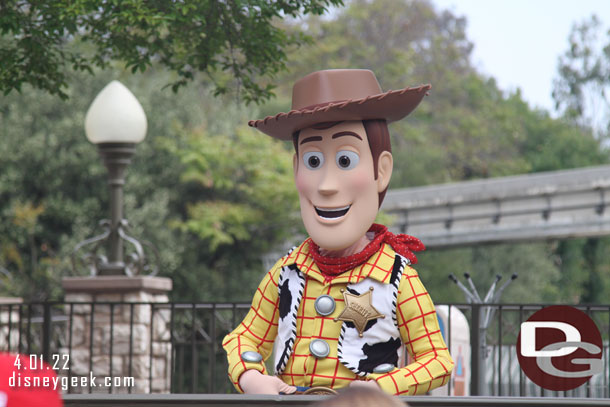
(378, 267)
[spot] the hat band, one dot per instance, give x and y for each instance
(319, 105)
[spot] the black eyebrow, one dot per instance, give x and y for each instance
(312, 138)
(346, 133)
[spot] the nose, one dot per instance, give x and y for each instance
(329, 182)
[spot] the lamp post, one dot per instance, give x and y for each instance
(115, 122)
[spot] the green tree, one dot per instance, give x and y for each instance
(466, 128)
(240, 203)
(209, 37)
(211, 195)
(582, 88)
(214, 196)
(47, 185)
(582, 93)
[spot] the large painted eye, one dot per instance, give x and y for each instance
(346, 160)
(313, 160)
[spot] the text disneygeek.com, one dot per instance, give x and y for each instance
(63, 382)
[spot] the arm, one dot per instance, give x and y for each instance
(256, 332)
(418, 324)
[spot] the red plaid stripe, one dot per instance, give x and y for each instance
(416, 319)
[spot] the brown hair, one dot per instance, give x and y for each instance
(377, 134)
(361, 397)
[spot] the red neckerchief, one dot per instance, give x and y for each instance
(401, 243)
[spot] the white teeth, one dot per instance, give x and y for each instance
(332, 213)
(332, 209)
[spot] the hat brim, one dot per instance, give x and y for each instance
(391, 106)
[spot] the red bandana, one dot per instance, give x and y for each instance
(401, 243)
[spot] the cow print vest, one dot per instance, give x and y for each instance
(380, 343)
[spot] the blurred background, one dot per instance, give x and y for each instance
(517, 87)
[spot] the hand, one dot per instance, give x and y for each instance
(254, 382)
(368, 384)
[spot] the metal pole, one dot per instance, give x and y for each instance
(478, 328)
(117, 157)
(46, 332)
(477, 356)
(472, 287)
(482, 344)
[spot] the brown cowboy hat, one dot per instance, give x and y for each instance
(337, 95)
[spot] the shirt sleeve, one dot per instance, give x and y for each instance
(257, 331)
(418, 324)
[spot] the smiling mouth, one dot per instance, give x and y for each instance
(332, 213)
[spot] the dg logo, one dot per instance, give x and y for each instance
(559, 348)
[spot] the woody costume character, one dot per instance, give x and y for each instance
(341, 305)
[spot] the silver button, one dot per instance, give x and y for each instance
(251, 356)
(324, 305)
(319, 348)
(384, 368)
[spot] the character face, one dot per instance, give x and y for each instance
(334, 176)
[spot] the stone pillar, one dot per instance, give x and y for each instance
(9, 323)
(119, 328)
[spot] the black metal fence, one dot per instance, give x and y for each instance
(176, 347)
(495, 369)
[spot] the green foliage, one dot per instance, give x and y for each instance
(188, 38)
(53, 189)
(240, 203)
(246, 178)
(582, 89)
(581, 92)
(537, 281)
(45, 187)
(214, 196)
(466, 128)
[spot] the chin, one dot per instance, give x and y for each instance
(332, 244)
(334, 237)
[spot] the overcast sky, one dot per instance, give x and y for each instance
(518, 42)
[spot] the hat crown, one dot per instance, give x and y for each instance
(334, 85)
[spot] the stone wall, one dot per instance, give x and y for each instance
(119, 341)
(9, 323)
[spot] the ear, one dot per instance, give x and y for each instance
(385, 163)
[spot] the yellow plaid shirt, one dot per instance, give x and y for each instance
(416, 317)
